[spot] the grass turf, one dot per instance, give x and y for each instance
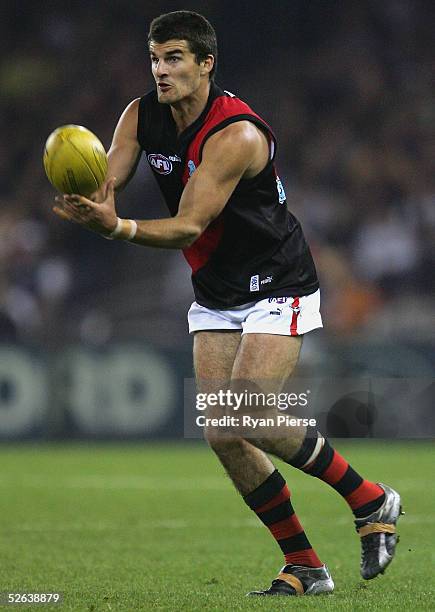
(159, 527)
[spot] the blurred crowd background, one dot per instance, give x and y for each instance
(347, 87)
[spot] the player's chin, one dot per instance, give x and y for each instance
(164, 99)
(167, 97)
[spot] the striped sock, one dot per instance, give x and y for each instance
(318, 458)
(271, 503)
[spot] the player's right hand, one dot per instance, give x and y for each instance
(99, 195)
(96, 216)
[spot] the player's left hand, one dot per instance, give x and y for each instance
(99, 217)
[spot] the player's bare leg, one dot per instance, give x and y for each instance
(269, 374)
(214, 354)
(221, 356)
(264, 363)
(217, 356)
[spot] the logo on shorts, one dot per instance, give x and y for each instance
(278, 311)
(160, 163)
(254, 284)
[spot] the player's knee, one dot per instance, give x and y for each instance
(221, 443)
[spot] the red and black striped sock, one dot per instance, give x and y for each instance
(318, 458)
(271, 503)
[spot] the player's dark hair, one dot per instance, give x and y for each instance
(189, 26)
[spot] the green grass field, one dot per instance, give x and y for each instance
(159, 527)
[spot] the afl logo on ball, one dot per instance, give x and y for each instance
(160, 163)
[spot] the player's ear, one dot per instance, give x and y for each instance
(207, 65)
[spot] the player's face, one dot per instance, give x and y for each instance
(175, 70)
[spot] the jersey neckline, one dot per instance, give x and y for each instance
(187, 134)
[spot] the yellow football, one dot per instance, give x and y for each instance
(75, 160)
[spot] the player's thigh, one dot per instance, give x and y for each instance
(266, 357)
(214, 353)
(213, 356)
(263, 364)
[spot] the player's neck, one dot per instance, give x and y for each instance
(189, 109)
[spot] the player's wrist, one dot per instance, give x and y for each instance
(125, 229)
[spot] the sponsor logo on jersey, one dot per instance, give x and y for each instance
(266, 280)
(174, 158)
(281, 192)
(229, 93)
(160, 163)
(254, 284)
(191, 167)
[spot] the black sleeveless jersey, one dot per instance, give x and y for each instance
(255, 248)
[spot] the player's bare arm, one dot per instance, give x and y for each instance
(237, 151)
(124, 152)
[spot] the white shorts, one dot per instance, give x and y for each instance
(283, 316)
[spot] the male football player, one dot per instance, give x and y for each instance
(213, 158)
